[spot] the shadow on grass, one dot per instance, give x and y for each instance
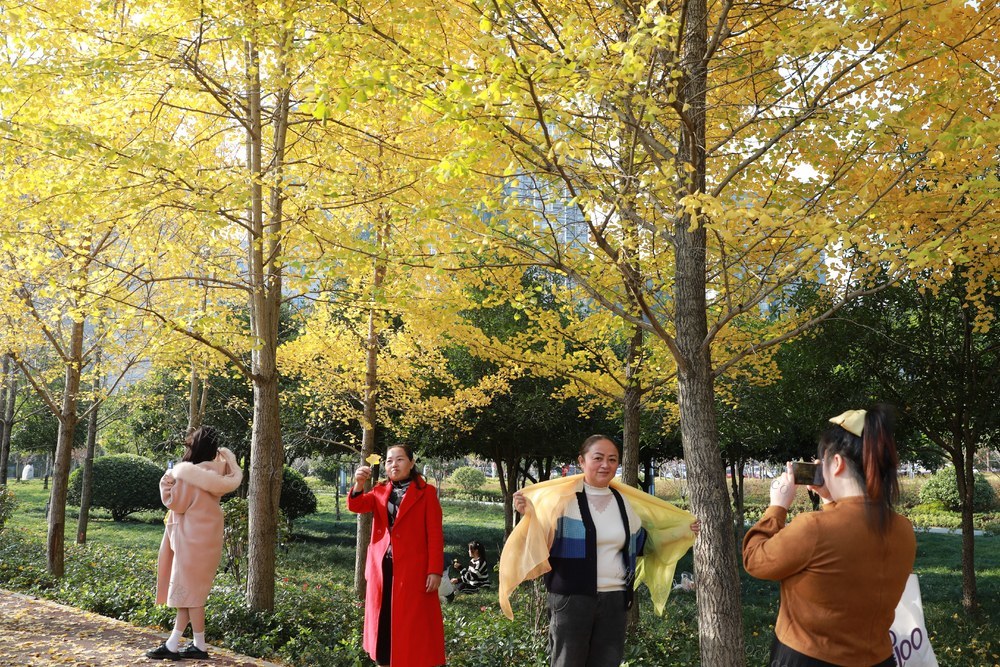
(939, 566)
(959, 638)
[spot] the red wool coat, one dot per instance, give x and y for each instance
(192, 540)
(417, 540)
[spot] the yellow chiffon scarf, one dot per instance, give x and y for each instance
(525, 555)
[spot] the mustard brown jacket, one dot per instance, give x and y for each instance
(840, 579)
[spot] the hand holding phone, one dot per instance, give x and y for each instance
(807, 474)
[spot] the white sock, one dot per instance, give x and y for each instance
(174, 642)
(199, 640)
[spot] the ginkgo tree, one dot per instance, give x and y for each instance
(719, 154)
(230, 170)
(59, 295)
(64, 237)
(203, 149)
(558, 334)
(231, 189)
(371, 347)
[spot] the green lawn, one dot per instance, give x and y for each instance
(317, 620)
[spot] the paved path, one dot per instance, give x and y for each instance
(37, 633)
(948, 531)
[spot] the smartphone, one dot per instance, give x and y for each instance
(170, 464)
(807, 473)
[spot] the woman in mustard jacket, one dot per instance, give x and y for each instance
(842, 570)
(191, 548)
(403, 623)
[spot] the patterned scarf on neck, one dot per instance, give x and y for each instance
(395, 498)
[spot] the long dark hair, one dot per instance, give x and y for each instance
(872, 459)
(203, 445)
(415, 477)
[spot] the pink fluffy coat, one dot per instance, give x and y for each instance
(192, 540)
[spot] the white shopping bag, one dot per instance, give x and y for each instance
(910, 642)
(446, 590)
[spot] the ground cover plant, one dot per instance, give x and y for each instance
(317, 620)
(7, 504)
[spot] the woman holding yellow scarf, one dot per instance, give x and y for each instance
(594, 539)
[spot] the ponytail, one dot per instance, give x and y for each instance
(881, 462)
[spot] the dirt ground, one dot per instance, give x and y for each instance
(36, 633)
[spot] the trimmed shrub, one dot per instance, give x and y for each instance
(7, 504)
(991, 526)
(122, 484)
(297, 499)
(943, 488)
(469, 479)
(934, 515)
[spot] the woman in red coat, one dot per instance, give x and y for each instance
(403, 625)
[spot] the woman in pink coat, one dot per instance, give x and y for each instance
(192, 540)
(403, 625)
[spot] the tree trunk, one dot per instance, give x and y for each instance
(55, 564)
(715, 552)
(264, 253)
(720, 618)
(630, 444)
(196, 407)
(368, 436)
(967, 489)
(631, 408)
(364, 527)
(507, 475)
(266, 467)
(736, 470)
(505, 493)
(87, 474)
(970, 595)
(7, 391)
(545, 464)
(198, 391)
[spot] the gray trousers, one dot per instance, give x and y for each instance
(586, 631)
